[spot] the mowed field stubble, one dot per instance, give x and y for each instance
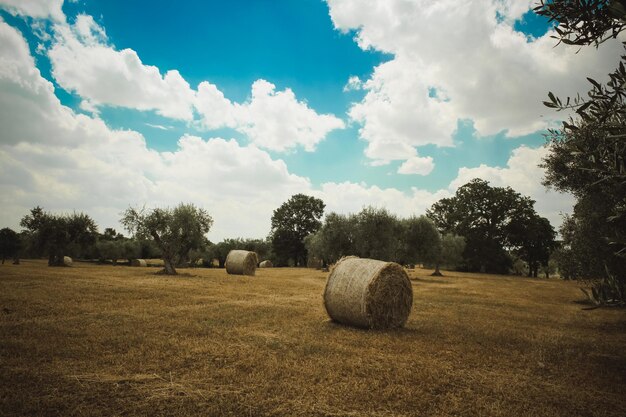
(105, 341)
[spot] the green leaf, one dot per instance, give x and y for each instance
(594, 82)
(552, 97)
(584, 107)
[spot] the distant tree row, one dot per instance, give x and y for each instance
(481, 228)
(376, 233)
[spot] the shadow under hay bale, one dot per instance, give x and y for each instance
(266, 264)
(368, 293)
(241, 262)
(138, 262)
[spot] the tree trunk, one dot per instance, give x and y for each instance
(437, 272)
(169, 266)
(166, 254)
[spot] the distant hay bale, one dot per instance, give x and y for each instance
(67, 261)
(138, 262)
(266, 264)
(241, 262)
(368, 293)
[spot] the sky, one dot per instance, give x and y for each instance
(236, 106)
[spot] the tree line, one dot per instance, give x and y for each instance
(481, 228)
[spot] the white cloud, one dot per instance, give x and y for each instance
(35, 8)
(354, 83)
(160, 127)
(84, 63)
(276, 120)
(271, 119)
(349, 197)
(417, 165)
(480, 67)
(524, 176)
(65, 161)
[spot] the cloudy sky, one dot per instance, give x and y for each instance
(237, 105)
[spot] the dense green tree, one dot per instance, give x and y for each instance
(10, 244)
(420, 242)
(492, 220)
(110, 234)
(176, 231)
(533, 240)
(452, 248)
(59, 235)
(588, 154)
(377, 234)
(334, 240)
(584, 22)
(219, 251)
(293, 221)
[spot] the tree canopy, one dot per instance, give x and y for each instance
(10, 244)
(492, 220)
(176, 231)
(59, 235)
(292, 222)
(588, 153)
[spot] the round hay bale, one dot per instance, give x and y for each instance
(67, 261)
(138, 262)
(266, 264)
(368, 293)
(241, 262)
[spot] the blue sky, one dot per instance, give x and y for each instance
(386, 103)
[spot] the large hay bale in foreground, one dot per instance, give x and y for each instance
(138, 262)
(67, 261)
(368, 293)
(266, 264)
(241, 262)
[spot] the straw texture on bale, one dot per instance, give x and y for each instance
(241, 262)
(368, 293)
(138, 262)
(67, 261)
(266, 264)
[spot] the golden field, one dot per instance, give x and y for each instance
(118, 341)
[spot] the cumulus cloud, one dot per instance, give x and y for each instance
(417, 165)
(524, 176)
(271, 119)
(470, 57)
(276, 120)
(65, 161)
(83, 62)
(354, 83)
(350, 197)
(40, 9)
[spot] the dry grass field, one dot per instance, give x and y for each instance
(118, 341)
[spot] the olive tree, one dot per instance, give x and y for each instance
(176, 231)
